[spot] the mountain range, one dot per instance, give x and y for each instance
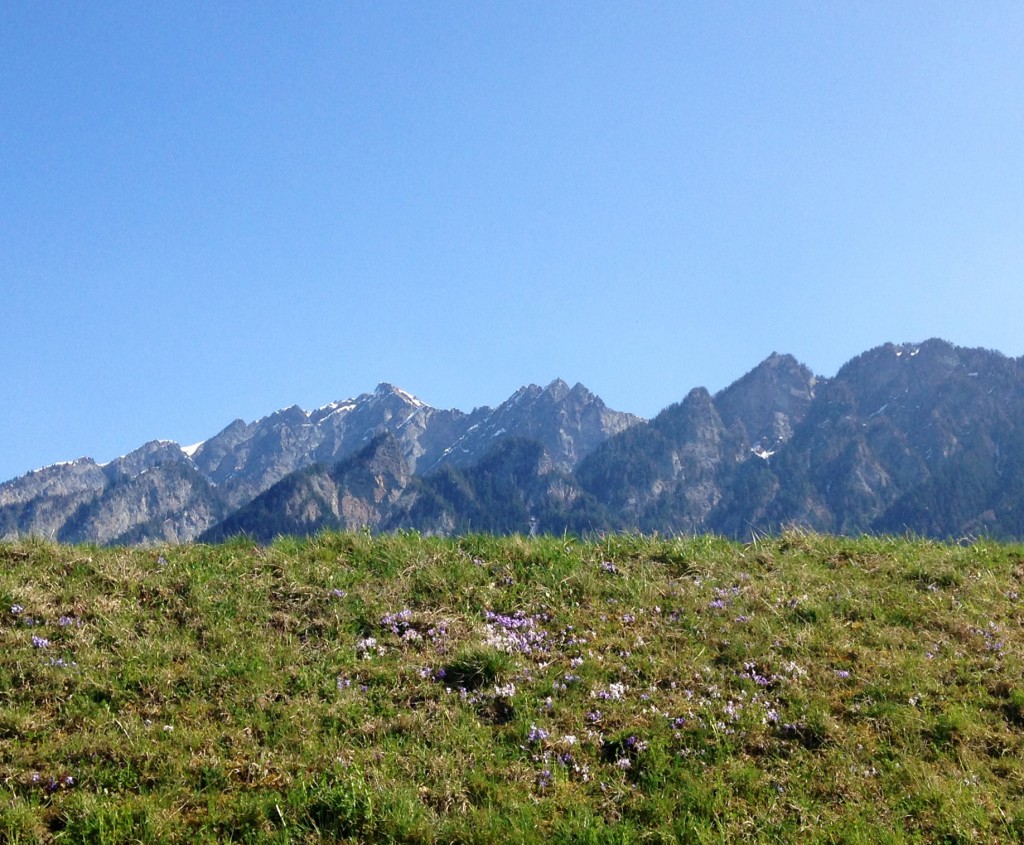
(926, 438)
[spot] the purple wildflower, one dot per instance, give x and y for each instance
(536, 735)
(517, 632)
(398, 623)
(62, 663)
(614, 692)
(40, 642)
(751, 673)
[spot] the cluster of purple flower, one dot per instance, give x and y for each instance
(438, 634)
(397, 623)
(570, 638)
(990, 635)
(536, 735)
(729, 710)
(546, 749)
(403, 625)
(723, 597)
(614, 692)
(367, 647)
(28, 621)
(52, 784)
(750, 672)
(517, 633)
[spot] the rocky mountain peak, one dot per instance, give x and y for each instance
(557, 390)
(386, 390)
(67, 478)
(769, 401)
(150, 455)
(926, 437)
(569, 423)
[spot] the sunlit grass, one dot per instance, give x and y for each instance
(400, 688)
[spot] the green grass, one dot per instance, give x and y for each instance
(407, 689)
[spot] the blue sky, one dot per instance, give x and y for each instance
(213, 210)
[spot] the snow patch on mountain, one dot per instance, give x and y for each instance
(189, 451)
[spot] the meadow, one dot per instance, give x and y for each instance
(358, 688)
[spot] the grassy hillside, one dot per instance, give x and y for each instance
(398, 688)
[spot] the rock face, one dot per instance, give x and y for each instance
(159, 493)
(513, 489)
(673, 474)
(355, 492)
(151, 494)
(768, 403)
(923, 438)
(568, 422)
(927, 438)
(246, 459)
(898, 422)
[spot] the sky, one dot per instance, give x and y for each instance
(212, 210)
